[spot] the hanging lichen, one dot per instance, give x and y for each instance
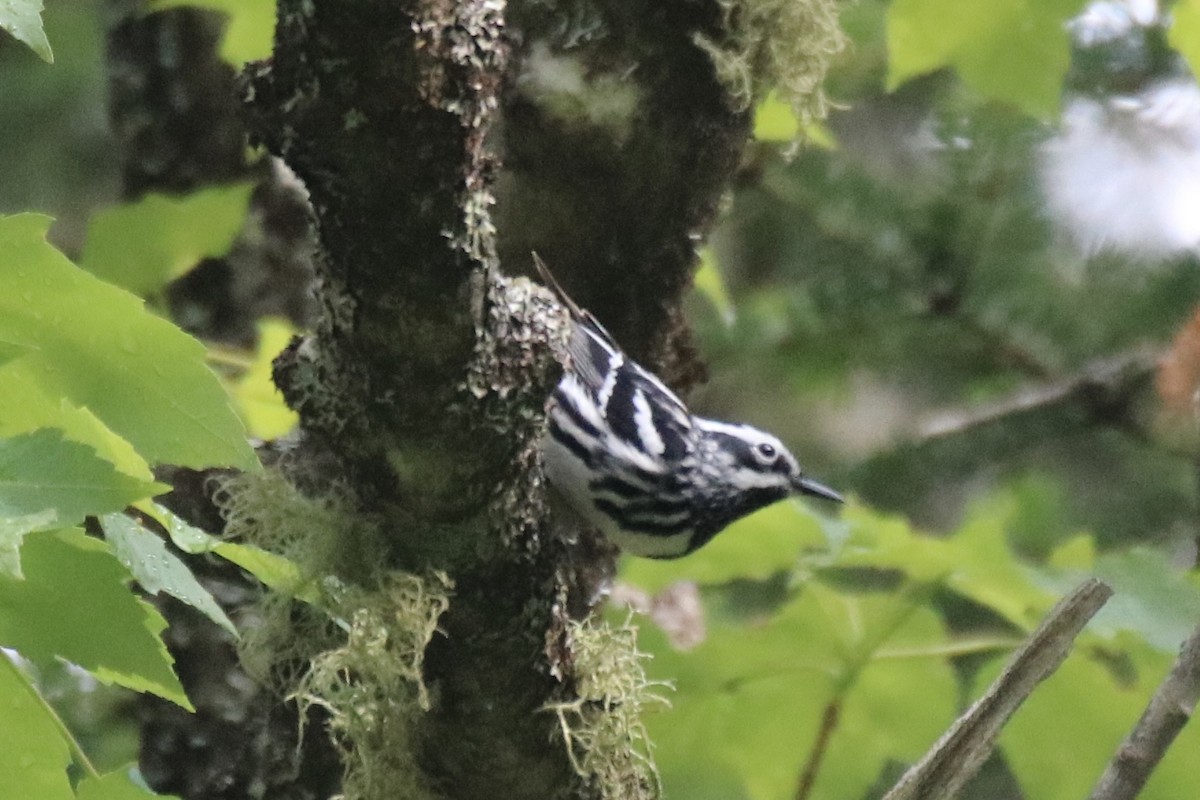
(786, 45)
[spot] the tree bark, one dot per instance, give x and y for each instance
(421, 389)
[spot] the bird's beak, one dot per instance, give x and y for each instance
(809, 486)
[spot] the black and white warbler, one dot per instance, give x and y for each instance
(629, 457)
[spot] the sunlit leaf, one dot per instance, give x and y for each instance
(73, 604)
(157, 569)
(96, 346)
(143, 245)
(33, 753)
(262, 407)
(1184, 34)
(775, 121)
(251, 27)
(23, 19)
(1012, 50)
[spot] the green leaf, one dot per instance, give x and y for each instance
(1012, 50)
(1184, 34)
(96, 346)
(23, 19)
(1151, 597)
(251, 29)
(262, 407)
(775, 121)
(116, 785)
(749, 701)
(272, 569)
(41, 470)
(28, 405)
(74, 604)
(12, 531)
(157, 569)
(758, 546)
(143, 245)
(33, 753)
(975, 561)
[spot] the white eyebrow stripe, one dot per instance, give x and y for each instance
(746, 432)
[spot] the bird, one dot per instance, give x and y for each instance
(629, 457)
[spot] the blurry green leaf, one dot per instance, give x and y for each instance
(74, 604)
(12, 531)
(251, 29)
(116, 785)
(1184, 34)
(33, 753)
(1060, 740)
(750, 700)
(1077, 553)
(711, 285)
(40, 471)
(262, 407)
(1150, 598)
(157, 569)
(144, 245)
(1012, 50)
(756, 547)
(975, 561)
(96, 346)
(23, 19)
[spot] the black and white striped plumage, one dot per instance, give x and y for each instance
(631, 459)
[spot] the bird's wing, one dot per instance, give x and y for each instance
(636, 405)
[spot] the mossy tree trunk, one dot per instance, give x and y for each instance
(440, 143)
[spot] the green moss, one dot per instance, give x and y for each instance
(602, 726)
(357, 649)
(786, 45)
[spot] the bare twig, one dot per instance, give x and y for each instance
(1099, 384)
(829, 723)
(967, 744)
(1169, 710)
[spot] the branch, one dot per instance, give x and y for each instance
(1169, 710)
(829, 723)
(957, 756)
(1102, 385)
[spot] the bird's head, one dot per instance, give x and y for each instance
(755, 463)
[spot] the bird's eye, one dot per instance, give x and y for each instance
(767, 451)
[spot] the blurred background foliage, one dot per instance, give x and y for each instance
(966, 301)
